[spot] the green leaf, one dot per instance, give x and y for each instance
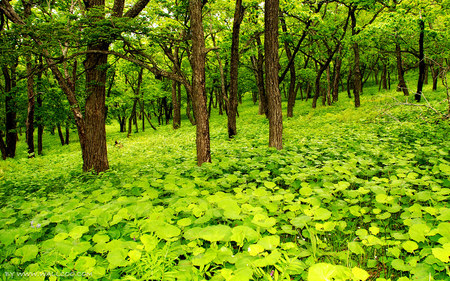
(300, 221)
(263, 220)
(60, 237)
(78, 231)
(322, 214)
(410, 246)
(255, 249)
(117, 258)
(443, 254)
(27, 252)
(354, 247)
(85, 264)
(215, 233)
(359, 274)
(269, 242)
(150, 242)
(417, 232)
(134, 255)
(167, 231)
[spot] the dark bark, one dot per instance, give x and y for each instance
(328, 93)
(272, 68)
(176, 107)
(39, 121)
(400, 72)
(30, 110)
(9, 75)
(435, 76)
(337, 76)
(357, 77)
(67, 133)
(2, 146)
(198, 83)
(292, 95)
(422, 64)
(258, 64)
(188, 110)
(349, 82)
(60, 134)
(234, 66)
(383, 82)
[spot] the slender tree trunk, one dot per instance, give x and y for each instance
(67, 133)
(422, 64)
(292, 95)
(435, 76)
(188, 110)
(2, 146)
(10, 109)
(400, 72)
(176, 107)
(60, 134)
(198, 83)
(234, 67)
(272, 68)
(223, 92)
(357, 78)
(337, 76)
(30, 111)
(263, 103)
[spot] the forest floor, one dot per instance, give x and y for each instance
(355, 194)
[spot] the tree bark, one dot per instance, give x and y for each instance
(337, 76)
(9, 74)
(60, 134)
(292, 95)
(400, 72)
(258, 64)
(272, 68)
(198, 83)
(357, 78)
(30, 110)
(422, 64)
(234, 67)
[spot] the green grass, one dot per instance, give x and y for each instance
(356, 194)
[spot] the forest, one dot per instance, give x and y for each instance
(225, 140)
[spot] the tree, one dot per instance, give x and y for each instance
(234, 65)
(198, 83)
(272, 68)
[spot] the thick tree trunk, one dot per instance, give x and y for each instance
(223, 92)
(357, 77)
(328, 96)
(384, 74)
(188, 110)
(198, 83)
(234, 67)
(422, 64)
(317, 85)
(272, 68)
(30, 110)
(292, 95)
(400, 72)
(96, 154)
(67, 133)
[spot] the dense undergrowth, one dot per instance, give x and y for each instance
(356, 194)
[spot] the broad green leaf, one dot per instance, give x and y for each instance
(85, 264)
(78, 231)
(263, 220)
(443, 254)
(359, 274)
(134, 255)
(322, 214)
(410, 246)
(150, 242)
(60, 237)
(255, 249)
(300, 221)
(269, 242)
(355, 248)
(117, 258)
(215, 233)
(27, 252)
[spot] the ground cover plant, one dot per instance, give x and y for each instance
(356, 194)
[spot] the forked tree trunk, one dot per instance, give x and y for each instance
(60, 134)
(198, 83)
(272, 68)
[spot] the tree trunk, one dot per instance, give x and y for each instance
(422, 64)
(2, 146)
(223, 92)
(259, 63)
(435, 76)
(272, 68)
(10, 109)
(357, 78)
(176, 107)
(132, 115)
(234, 67)
(60, 135)
(188, 109)
(30, 110)
(400, 72)
(337, 76)
(198, 83)
(292, 95)
(67, 133)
